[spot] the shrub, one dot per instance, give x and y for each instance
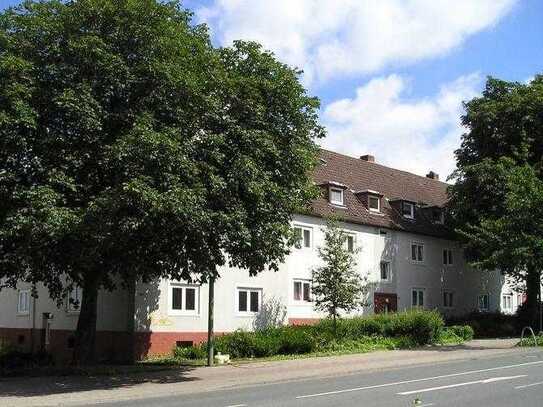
(489, 325)
(191, 352)
(296, 340)
(464, 332)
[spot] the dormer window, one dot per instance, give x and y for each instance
(374, 203)
(336, 196)
(408, 210)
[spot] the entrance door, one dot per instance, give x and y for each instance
(385, 303)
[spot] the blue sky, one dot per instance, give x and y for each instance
(391, 74)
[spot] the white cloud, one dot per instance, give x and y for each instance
(413, 135)
(347, 37)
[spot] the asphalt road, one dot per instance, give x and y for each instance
(507, 381)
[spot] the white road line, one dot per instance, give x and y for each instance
(377, 386)
(528, 385)
(451, 386)
(238, 405)
(426, 405)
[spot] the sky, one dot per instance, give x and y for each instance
(391, 74)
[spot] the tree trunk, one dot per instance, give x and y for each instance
(533, 292)
(131, 323)
(210, 333)
(335, 324)
(85, 336)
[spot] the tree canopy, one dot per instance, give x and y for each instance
(496, 200)
(131, 148)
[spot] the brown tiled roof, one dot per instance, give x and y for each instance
(359, 175)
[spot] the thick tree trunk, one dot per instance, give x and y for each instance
(131, 323)
(85, 336)
(210, 320)
(533, 292)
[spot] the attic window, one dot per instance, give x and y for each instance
(374, 203)
(336, 196)
(408, 210)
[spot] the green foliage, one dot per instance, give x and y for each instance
(455, 334)
(191, 352)
(337, 285)
(489, 325)
(528, 341)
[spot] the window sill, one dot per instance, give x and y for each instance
(23, 314)
(183, 314)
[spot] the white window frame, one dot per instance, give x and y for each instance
(23, 294)
(510, 297)
(183, 311)
(416, 260)
(304, 229)
(249, 290)
(447, 257)
(378, 203)
(353, 237)
(340, 202)
(389, 271)
(71, 307)
(302, 281)
(487, 302)
(418, 290)
(451, 299)
(412, 212)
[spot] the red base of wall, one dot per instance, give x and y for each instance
(303, 321)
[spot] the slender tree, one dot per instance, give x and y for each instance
(132, 149)
(337, 285)
(498, 183)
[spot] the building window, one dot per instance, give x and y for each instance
(349, 243)
(507, 302)
(385, 271)
(448, 299)
(336, 196)
(374, 203)
(438, 216)
(408, 210)
(303, 237)
(249, 300)
(302, 290)
(184, 299)
(482, 302)
(23, 302)
(383, 233)
(447, 257)
(417, 252)
(417, 297)
(74, 299)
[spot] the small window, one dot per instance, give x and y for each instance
(417, 252)
(336, 196)
(438, 216)
(385, 271)
(249, 300)
(408, 210)
(507, 302)
(483, 302)
(23, 303)
(448, 299)
(383, 233)
(183, 299)
(374, 203)
(303, 236)
(302, 290)
(349, 243)
(447, 257)
(417, 297)
(74, 299)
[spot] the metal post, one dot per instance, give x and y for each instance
(210, 350)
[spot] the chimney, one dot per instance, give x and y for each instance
(432, 175)
(368, 158)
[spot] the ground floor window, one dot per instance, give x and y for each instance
(74, 299)
(23, 303)
(385, 271)
(417, 297)
(448, 299)
(483, 302)
(184, 299)
(302, 290)
(507, 302)
(249, 300)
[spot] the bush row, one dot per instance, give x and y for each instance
(489, 325)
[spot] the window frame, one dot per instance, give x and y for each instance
(349, 235)
(248, 313)
(342, 193)
(412, 212)
(184, 287)
(70, 308)
(416, 259)
(27, 302)
(447, 257)
(451, 300)
(301, 245)
(510, 297)
(389, 271)
(418, 290)
(302, 282)
(370, 197)
(481, 309)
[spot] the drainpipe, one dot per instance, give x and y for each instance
(33, 330)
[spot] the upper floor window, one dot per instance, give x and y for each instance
(448, 299)
(350, 243)
(438, 216)
(417, 252)
(483, 302)
(23, 302)
(408, 210)
(336, 196)
(249, 300)
(303, 237)
(74, 299)
(447, 257)
(507, 302)
(385, 271)
(302, 290)
(183, 299)
(374, 203)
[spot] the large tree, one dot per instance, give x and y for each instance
(495, 199)
(132, 149)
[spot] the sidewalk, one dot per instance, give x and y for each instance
(65, 391)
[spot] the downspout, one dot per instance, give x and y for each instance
(33, 330)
